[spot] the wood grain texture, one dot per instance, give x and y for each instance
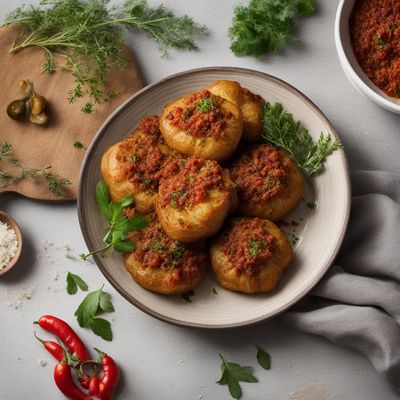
(38, 147)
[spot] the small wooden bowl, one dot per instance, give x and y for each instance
(5, 218)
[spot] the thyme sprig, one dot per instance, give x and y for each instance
(35, 175)
(281, 130)
(86, 38)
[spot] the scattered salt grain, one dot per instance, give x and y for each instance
(8, 244)
(42, 363)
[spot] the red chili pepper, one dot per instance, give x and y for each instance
(66, 335)
(94, 386)
(64, 381)
(53, 348)
(110, 378)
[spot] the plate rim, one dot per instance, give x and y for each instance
(140, 305)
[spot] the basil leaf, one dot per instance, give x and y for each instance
(263, 358)
(101, 327)
(232, 374)
(136, 223)
(105, 302)
(73, 282)
(103, 200)
(88, 308)
(124, 246)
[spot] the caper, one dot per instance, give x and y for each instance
(39, 119)
(17, 109)
(24, 85)
(37, 103)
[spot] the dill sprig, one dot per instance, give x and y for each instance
(281, 130)
(35, 175)
(86, 38)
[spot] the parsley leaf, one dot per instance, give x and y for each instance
(266, 26)
(119, 226)
(101, 327)
(263, 358)
(86, 314)
(232, 374)
(73, 282)
(79, 145)
(281, 130)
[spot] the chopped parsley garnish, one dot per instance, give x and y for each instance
(133, 157)
(311, 205)
(205, 105)
(79, 145)
(380, 43)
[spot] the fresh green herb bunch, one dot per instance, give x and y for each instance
(87, 37)
(35, 175)
(281, 130)
(118, 225)
(266, 26)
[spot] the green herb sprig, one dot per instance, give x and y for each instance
(266, 26)
(93, 304)
(35, 175)
(86, 37)
(232, 374)
(281, 130)
(119, 226)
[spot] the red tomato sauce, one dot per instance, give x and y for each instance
(375, 35)
(248, 245)
(202, 115)
(142, 158)
(189, 182)
(156, 250)
(260, 174)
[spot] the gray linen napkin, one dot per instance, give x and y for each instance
(357, 303)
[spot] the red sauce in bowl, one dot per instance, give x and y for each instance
(375, 36)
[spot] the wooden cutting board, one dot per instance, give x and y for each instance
(37, 147)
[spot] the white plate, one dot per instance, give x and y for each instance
(320, 231)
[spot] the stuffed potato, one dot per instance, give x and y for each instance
(202, 124)
(194, 198)
(164, 265)
(133, 166)
(250, 104)
(249, 255)
(269, 184)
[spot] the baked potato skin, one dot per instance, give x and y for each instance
(277, 206)
(250, 104)
(270, 272)
(207, 147)
(201, 220)
(118, 157)
(168, 280)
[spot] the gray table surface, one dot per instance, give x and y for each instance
(160, 361)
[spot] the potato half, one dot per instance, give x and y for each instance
(269, 184)
(202, 124)
(195, 199)
(250, 255)
(250, 104)
(164, 265)
(133, 166)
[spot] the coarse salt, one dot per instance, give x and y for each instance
(8, 244)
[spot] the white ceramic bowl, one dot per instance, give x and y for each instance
(350, 64)
(319, 231)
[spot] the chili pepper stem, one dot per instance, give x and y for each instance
(99, 352)
(38, 338)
